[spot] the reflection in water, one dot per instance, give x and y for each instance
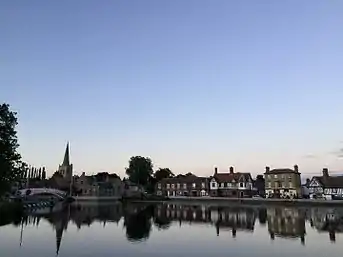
(286, 222)
(138, 219)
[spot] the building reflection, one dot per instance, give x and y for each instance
(286, 223)
(222, 218)
(328, 221)
(138, 219)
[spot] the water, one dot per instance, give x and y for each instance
(92, 229)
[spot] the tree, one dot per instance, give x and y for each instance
(162, 173)
(140, 170)
(10, 159)
(43, 174)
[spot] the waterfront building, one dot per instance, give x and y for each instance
(183, 185)
(326, 186)
(283, 183)
(231, 184)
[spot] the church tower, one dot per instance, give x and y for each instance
(66, 168)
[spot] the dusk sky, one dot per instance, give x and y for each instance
(192, 84)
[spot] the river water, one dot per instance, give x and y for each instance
(107, 229)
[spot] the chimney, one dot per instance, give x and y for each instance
(215, 170)
(308, 181)
(325, 172)
(296, 168)
(231, 169)
(83, 174)
(267, 169)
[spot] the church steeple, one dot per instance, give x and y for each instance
(66, 156)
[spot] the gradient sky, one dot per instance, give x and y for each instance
(190, 83)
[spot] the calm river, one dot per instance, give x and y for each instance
(91, 229)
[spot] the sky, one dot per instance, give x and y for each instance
(191, 84)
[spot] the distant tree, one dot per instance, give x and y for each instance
(10, 160)
(162, 173)
(43, 174)
(40, 173)
(140, 170)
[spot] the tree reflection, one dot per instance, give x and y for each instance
(138, 224)
(262, 216)
(162, 222)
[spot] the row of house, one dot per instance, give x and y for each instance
(274, 183)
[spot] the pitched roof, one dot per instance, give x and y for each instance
(229, 177)
(330, 181)
(280, 171)
(183, 179)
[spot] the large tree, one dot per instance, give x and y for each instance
(162, 173)
(10, 159)
(140, 170)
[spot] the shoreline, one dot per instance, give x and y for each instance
(248, 201)
(221, 201)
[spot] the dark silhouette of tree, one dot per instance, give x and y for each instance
(140, 170)
(43, 174)
(40, 173)
(162, 173)
(10, 160)
(260, 185)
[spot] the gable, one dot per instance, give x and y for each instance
(314, 183)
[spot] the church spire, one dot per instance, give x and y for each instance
(66, 156)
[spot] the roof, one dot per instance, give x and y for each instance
(281, 171)
(183, 179)
(229, 177)
(330, 181)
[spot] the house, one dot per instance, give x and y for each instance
(326, 186)
(183, 185)
(231, 184)
(283, 183)
(101, 184)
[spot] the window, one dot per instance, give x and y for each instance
(290, 184)
(168, 186)
(81, 182)
(269, 184)
(334, 190)
(203, 185)
(241, 184)
(194, 185)
(275, 176)
(213, 184)
(178, 185)
(184, 186)
(221, 184)
(283, 185)
(229, 185)
(159, 186)
(172, 186)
